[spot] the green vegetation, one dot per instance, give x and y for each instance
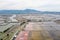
(4, 28)
(4, 35)
(9, 34)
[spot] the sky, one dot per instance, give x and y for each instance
(42, 5)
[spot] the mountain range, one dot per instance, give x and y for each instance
(26, 11)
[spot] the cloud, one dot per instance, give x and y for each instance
(44, 5)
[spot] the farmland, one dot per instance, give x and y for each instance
(40, 27)
(30, 27)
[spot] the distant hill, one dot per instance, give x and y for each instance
(26, 11)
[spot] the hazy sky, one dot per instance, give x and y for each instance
(44, 5)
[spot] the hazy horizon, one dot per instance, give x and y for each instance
(41, 5)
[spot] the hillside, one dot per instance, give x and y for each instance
(26, 11)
